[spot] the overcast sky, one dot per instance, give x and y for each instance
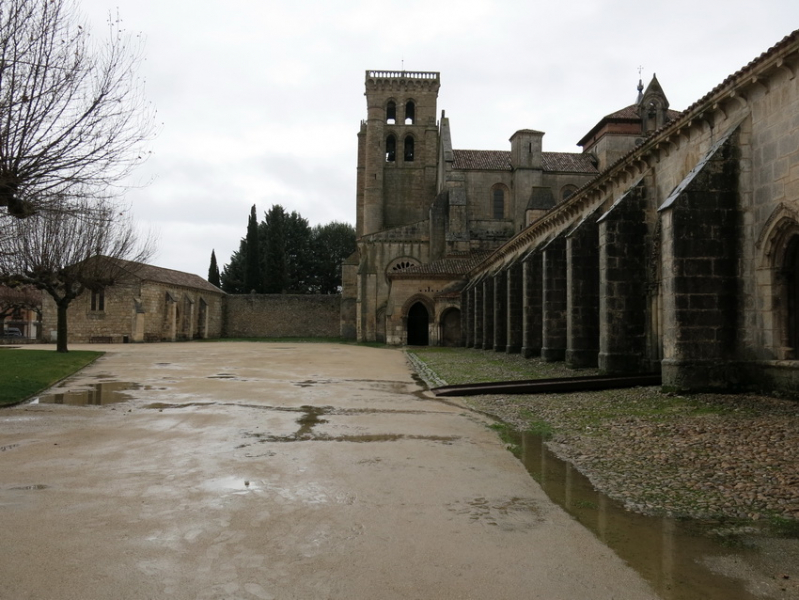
(261, 101)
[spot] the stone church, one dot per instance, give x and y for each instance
(669, 244)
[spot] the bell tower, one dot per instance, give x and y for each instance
(397, 149)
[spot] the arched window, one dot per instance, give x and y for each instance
(567, 191)
(391, 148)
(391, 112)
(408, 154)
(410, 112)
(498, 203)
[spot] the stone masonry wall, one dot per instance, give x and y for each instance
(282, 315)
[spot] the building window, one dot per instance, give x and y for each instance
(391, 113)
(98, 300)
(408, 154)
(567, 191)
(410, 112)
(391, 148)
(498, 203)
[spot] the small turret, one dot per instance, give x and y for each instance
(653, 106)
(525, 149)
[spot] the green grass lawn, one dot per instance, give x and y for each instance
(24, 373)
(467, 365)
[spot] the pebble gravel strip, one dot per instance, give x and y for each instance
(701, 456)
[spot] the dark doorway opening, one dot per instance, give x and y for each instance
(791, 274)
(451, 328)
(418, 325)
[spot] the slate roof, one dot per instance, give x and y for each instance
(449, 266)
(154, 274)
(499, 160)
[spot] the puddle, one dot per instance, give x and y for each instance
(312, 382)
(672, 555)
(99, 394)
(235, 485)
(312, 417)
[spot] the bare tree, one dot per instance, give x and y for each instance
(70, 250)
(73, 119)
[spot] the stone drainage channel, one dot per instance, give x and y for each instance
(682, 560)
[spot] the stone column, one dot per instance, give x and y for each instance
(477, 292)
(488, 313)
(532, 311)
(500, 312)
(554, 294)
(622, 285)
(699, 275)
(582, 295)
(515, 309)
(467, 316)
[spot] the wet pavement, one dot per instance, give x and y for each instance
(255, 471)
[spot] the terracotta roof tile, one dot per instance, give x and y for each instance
(450, 266)
(482, 160)
(499, 160)
(147, 272)
(571, 162)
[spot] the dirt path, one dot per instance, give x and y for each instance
(255, 471)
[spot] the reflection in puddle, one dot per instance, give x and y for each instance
(312, 417)
(102, 393)
(233, 484)
(668, 553)
(365, 438)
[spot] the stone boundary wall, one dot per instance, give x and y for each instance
(282, 315)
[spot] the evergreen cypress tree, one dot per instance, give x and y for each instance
(213, 271)
(275, 255)
(253, 281)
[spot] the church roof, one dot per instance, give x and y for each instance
(628, 114)
(451, 266)
(570, 162)
(481, 160)
(499, 160)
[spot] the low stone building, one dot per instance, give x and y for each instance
(148, 304)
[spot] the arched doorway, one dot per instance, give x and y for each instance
(451, 328)
(418, 325)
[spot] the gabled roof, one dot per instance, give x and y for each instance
(154, 274)
(499, 160)
(568, 162)
(628, 114)
(481, 160)
(451, 266)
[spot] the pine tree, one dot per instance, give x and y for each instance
(213, 271)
